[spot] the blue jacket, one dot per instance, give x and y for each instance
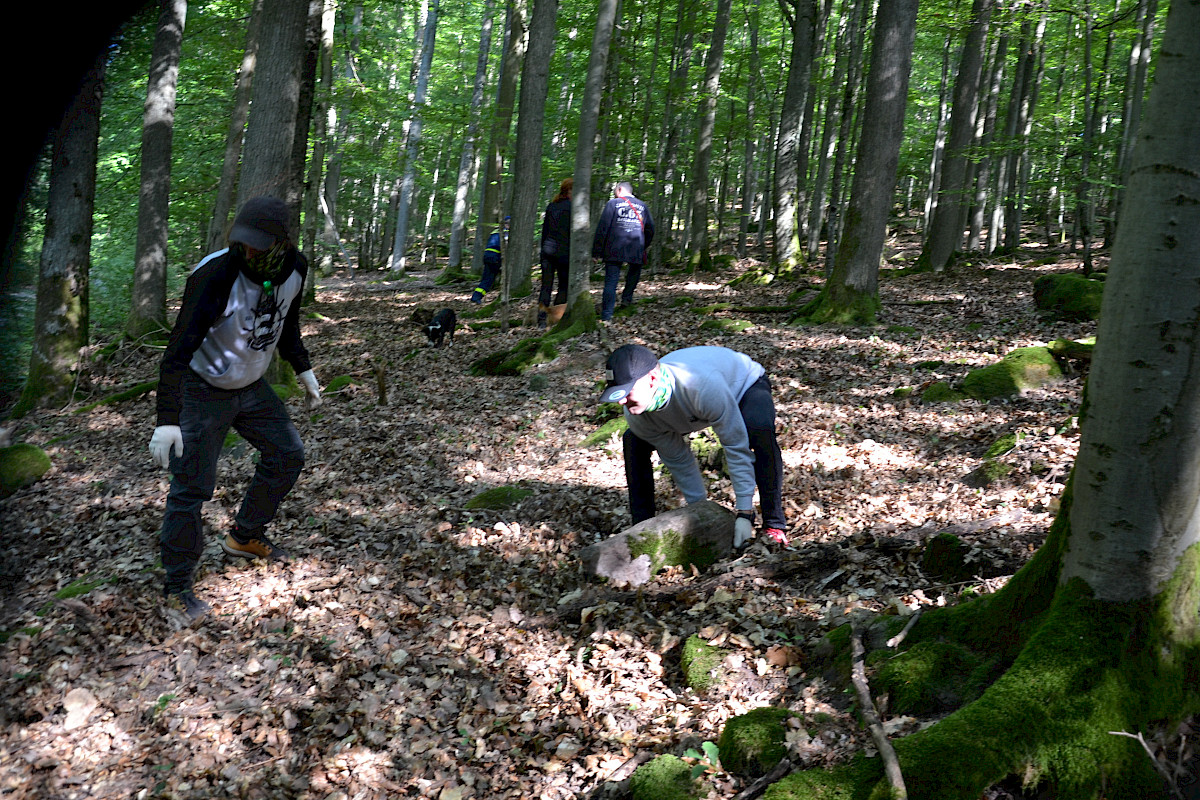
(491, 253)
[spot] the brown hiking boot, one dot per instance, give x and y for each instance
(256, 546)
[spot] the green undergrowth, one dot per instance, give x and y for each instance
(602, 435)
(1045, 672)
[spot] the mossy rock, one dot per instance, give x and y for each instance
(902, 392)
(1072, 350)
(700, 662)
(713, 308)
(670, 548)
(1023, 369)
(945, 557)
(498, 498)
(709, 452)
(933, 677)
(901, 329)
(20, 465)
(753, 743)
(941, 392)
(987, 473)
(605, 432)
(666, 777)
(1069, 297)
(929, 365)
(339, 383)
(727, 326)
(1004, 444)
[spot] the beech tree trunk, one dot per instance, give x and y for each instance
(699, 257)
(787, 178)
(148, 309)
(852, 292)
(60, 322)
(1099, 632)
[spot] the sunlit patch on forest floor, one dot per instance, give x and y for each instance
(416, 647)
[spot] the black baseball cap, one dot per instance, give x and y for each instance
(260, 223)
(625, 366)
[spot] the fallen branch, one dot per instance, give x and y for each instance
(899, 637)
(858, 674)
(777, 773)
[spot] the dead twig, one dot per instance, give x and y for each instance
(858, 673)
(899, 637)
(1158, 767)
(777, 773)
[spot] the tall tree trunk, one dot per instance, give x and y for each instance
(271, 132)
(527, 161)
(60, 322)
(856, 32)
(581, 198)
(148, 309)
(669, 145)
(699, 257)
(749, 175)
(1084, 210)
(466, 165)
(408, 181)
(1135, 89)
(829, 125)
(787, 181)
(852, 292)
(316, 205)
(1018, 160)
(240, 109)
(945, 230)
(491, 214)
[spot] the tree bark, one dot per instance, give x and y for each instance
(699, 257)
(223, 204)
(148, 309)
(852, 292)
(270, 135)
(787, 179)
(945, 230)
(527, 161)
(581, 197)
(60, 323)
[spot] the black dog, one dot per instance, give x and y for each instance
(441, 326)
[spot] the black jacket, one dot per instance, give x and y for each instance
(624, 232)
(556, 230)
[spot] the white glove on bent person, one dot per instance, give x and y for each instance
(311, 389)
(166, 438)
(743, 531)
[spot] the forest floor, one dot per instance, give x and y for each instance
(413, 647)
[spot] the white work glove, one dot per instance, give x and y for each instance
(743, 531)
(166, 438)
(311, 390)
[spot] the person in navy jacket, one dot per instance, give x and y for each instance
(240, 304)
(623, 235)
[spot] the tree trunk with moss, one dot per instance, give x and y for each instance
(60, 322)
(851, 294)
(1099, 632)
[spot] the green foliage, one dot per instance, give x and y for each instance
(709, 760)
(700, 661)
(20, 465)
(754, 742)
(498, 498)
(1022, 369)
(1069, 296)
(666, 777)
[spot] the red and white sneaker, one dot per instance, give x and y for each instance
(777, 536)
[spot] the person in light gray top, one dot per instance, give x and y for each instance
(690, 390)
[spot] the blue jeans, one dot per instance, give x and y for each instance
(206, 415)
(758, 412)
(612, 276)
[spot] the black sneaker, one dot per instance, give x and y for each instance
(257, 545)
(187, 602)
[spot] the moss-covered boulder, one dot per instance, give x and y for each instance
(726, 326)
(498, 498)
(603, 434)
(700, 663)
(1072, 350)
(989, 472)
(751, 744)
(20, 465)
(941, 392)
(1021, 370)
(666, 777)
(1069, 297)
(945, 557)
